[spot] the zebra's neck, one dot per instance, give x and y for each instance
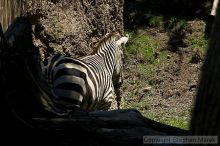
(107, 52)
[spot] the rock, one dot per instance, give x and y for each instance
(146, 89)
(73, 27)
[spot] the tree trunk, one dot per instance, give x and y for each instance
(206, 119)
(9, 9)
(214, 7)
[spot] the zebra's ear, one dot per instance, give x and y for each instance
(122, 40)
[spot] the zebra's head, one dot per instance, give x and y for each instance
(119, 58)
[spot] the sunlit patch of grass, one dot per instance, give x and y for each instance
(177, 122)
(199, 42)
(143, 107)
(140, 106)
(142, 47)
(146, 72)
(199, 47)
(145, 53)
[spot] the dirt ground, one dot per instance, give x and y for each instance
(169, 98)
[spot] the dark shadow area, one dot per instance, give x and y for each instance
(140, 13)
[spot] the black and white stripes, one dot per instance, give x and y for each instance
(86, 81)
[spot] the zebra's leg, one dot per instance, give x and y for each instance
(118, 97)
(117, 86)
(114, 104)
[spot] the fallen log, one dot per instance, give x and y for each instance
(30, 103)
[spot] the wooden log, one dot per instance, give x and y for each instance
(116, 119)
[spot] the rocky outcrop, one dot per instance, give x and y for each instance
(73, 27)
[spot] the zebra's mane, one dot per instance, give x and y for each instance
(108, 37)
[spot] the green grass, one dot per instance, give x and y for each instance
(146, 71)
(143, 107)
(176, 23)
(176, 122)
(142, 47)
(167, 23)
(199, 42)
(199, 46)
(156, 21)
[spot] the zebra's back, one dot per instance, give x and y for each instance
(74, 81)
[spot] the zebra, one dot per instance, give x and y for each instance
(86, 82)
